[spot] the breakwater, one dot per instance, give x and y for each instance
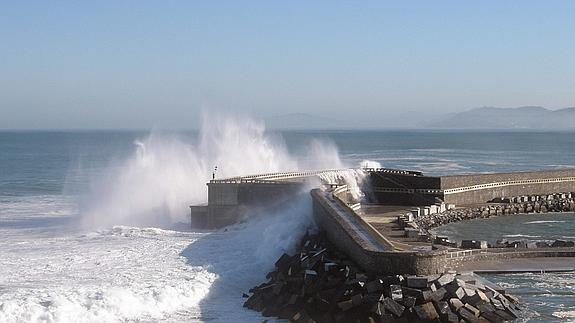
(320, 284)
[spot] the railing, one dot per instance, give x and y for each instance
(393, 171)
(352, 209)
(296, 174)
(463, 253)
(277, 176)
(407, 190)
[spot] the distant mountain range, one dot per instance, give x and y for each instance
(486, 118)
(537, 118)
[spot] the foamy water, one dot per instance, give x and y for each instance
(136, 274)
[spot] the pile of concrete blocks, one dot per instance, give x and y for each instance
(474, 244)
(444, 241)
(518, 244)
(319, 284)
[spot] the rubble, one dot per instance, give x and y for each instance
(319, 284)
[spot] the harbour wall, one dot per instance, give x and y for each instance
(480, 188)
(385, 259)
(230, 203)
(415, 189)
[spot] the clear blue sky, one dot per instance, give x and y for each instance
(138, 64)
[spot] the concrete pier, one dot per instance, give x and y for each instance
(376, 234)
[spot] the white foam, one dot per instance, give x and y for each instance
(544, 221)
(112, 275)
(520, 236)
(564, 314)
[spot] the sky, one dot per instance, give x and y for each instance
(142, 64)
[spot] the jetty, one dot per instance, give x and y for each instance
(387, 232)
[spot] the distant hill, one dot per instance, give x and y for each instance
(506, 118)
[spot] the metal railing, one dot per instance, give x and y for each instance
(267, 177)
(393, 171)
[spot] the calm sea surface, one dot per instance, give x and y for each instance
(89, 220)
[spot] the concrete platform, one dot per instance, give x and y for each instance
(521, 265)
(384, 219)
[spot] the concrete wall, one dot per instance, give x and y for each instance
(230, 203)
(481, 195)
(454, 181)
(406, 183)
(345, 238)
(458, 189)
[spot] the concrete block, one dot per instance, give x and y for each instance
(455, 304)
(426, 312)
(408, 301)
(393, 306)
(374, 286)
(396, 292)
(492, 317)
(445, 279)
(345, 305)
(439, 294)
(467, 315)
(417, 282)
(417, 293)
(442, 308)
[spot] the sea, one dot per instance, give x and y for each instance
(94, 225)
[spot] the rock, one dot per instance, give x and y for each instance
(408, 301)
(455, 304)
(417, 282)
(426, 311)
(283, 262)
(492, 317)
(396, 292)
(445, 279)
(393, 306)
(512, 299)
(345, 305)
(472, 309)
(467, 315)
(439, 294)
(374, 286)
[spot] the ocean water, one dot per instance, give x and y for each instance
(94, 225)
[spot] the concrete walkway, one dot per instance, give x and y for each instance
(521, 265)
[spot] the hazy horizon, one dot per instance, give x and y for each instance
(125, 65)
